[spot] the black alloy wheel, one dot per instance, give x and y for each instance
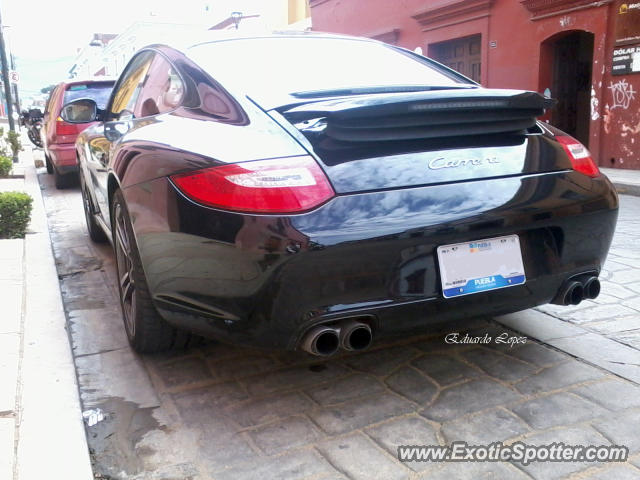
(126, 281)
(146, 330)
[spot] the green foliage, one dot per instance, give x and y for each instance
(9, 141)
(15, 214)
(13, 139)
(6, 164)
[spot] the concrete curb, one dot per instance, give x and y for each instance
(627, 182)
(627, 189)
(51, 439)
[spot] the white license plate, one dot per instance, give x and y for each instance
(481, 265)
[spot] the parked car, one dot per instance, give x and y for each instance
(58, 136)
(318, 192)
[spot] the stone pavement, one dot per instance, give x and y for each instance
(605, 331)
(222, 412)
(616, 312)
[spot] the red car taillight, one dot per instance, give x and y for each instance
(64, 128)
(283, 185)
(579, 155)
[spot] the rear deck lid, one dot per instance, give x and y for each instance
(391, 140)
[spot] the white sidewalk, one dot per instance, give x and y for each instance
(625, 181)
(41, 429)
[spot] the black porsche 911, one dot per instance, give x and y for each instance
(317, 192)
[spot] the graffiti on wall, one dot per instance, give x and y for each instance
(623, 94)
(595, 104)
(566, 21)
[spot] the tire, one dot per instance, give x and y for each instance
(95, 231)
(34, 138)
(146, 330)
(47, 161)
(63, 181)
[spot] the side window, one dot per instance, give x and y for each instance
(129, 87)
(162, 90)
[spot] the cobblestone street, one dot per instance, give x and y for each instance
(615, 312)
(220, 412)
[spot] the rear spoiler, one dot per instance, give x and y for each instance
(418, 115)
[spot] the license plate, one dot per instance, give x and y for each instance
(481, 265)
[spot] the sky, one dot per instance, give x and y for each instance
(44, 35)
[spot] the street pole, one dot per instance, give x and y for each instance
(16, 97)
(5, 79)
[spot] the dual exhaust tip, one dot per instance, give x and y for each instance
(578, 289)
(325, 340)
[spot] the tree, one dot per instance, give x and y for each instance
(48, 89)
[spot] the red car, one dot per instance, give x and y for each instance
(58, 136)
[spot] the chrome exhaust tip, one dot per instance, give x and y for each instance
(580, 287)
(591, 287)
(355, 336)
(574, 293)
(321, 340)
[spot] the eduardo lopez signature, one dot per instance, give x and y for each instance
(503, 338)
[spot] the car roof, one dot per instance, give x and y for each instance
(219, 36)
(184, 42)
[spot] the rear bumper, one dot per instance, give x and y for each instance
(63, 156)
(264, 280)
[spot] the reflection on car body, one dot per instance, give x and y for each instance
(59, 136)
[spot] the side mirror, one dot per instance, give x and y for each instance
(83, 110)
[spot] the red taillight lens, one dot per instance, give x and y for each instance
(579, 155)
(284, 185)
(64, 128)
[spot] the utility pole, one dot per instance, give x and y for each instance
(5, 79)
(16, 97)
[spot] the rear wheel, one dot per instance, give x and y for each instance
(146, 330)
(47, 161)
(63, 181)
(34, 136)
(95, 231)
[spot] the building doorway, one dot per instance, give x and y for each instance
(571, 69)
(461, 54)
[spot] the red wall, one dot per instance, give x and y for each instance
(519, 58)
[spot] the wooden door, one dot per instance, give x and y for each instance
(571, 86)
(461, 54)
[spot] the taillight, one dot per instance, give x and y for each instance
(64, 128)
(283, 185)
(579, 155)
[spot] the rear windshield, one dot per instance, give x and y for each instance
(99, 92)
(272, 69)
